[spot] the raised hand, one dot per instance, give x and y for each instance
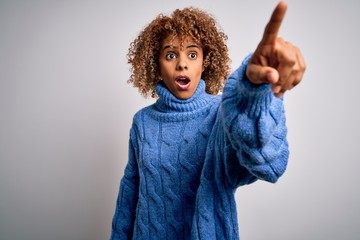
(275, 60)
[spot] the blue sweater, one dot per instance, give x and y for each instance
(187, 157)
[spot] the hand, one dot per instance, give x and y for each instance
(275, 60)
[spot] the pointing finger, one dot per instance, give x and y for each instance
(273, 26)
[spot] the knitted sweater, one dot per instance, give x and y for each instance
(187, 157)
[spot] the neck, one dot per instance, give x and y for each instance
(170, 108)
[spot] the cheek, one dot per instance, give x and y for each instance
(160, 69)
(201, 67)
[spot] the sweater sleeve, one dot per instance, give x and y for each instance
(254, 123)
(125, 212)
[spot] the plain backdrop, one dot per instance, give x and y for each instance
(66, 110)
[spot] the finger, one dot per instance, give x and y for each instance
(288, 62)
(285, 70)
(280, 94)
(286, 83)
(298, 72)
(273, 26)
(258, 74)
(291, 70)
(291, 81)
(278, 90)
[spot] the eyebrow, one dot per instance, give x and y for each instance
(190, 46)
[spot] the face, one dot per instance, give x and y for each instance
(180, 66)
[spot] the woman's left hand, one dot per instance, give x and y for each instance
(275, 60)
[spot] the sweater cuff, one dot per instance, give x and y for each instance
(255, 97)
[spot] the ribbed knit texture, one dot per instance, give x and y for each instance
(187, 157)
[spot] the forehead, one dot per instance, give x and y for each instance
(179, 41)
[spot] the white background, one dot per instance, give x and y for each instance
(66, 110)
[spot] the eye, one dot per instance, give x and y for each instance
(192, 55)
(170, 56)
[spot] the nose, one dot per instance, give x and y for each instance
(181, 64)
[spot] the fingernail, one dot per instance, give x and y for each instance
(272, 77)
(277, 89)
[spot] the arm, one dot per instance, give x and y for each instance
(254, 123)
(124, 217)
(253, 111)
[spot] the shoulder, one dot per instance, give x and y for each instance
(139, 119)
(142, 114)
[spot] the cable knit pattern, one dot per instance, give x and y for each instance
(187, 157)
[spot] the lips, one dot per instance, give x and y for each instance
(182, 82)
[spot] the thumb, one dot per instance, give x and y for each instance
(258, 74)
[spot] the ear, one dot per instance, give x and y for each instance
(205, 62)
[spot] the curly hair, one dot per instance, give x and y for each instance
(144, 51)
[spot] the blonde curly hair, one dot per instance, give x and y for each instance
(144, 51)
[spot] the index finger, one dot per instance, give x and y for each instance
(273, 26)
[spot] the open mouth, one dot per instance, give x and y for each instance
(183, 82)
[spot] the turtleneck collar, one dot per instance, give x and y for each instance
(167, 102)
(170, 108)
